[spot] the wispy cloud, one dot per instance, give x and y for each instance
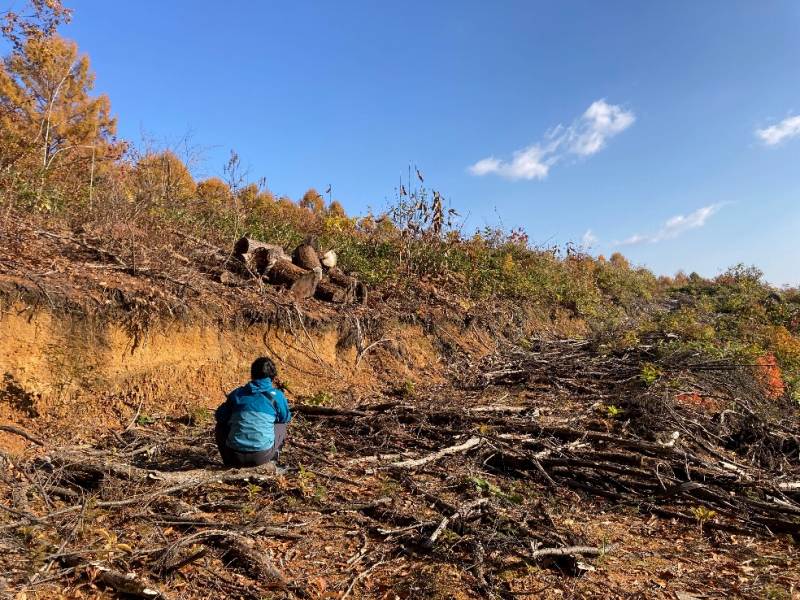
(586, 135)
(589, 239)
(775, 134)
(675, 226)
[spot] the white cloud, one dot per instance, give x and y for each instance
(585, 136)
(600, 122)
(675, 226)
(529, 163)
(775, 134)
(588, 239)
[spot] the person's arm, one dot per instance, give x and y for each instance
(223, 412)
(282, 412)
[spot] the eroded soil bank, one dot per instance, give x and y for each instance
(60, 372)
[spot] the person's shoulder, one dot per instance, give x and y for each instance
(242, 390)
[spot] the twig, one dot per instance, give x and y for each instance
(368, 348)
(359, 577)
(135, 416)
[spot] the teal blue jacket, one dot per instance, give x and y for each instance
(249, 414)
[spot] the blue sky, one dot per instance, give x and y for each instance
(635, 121)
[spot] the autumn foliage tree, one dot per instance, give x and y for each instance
(213, 192)
(161, 180)
(56, 139)
(336, 209)
(313, 201)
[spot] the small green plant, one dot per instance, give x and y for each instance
(703, 514)
(199, 415)
(773, 592)
(321, 398)
(649, 374)
(320, 493)
(407, 389)
(613, 411)
(144, 419)
(253, 490)
(497, 492)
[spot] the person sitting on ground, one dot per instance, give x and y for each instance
(251, 423)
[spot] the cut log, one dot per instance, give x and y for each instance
(284, 272)
(305, 256)
(259, 261)
(328, 292)
(340, 278)
(305, 286)
(356, 290)
(247, 245)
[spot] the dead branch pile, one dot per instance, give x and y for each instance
(730, 450)
(469, 479)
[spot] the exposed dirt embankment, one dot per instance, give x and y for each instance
(65, 373)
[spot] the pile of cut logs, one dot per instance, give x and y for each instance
(307, 273)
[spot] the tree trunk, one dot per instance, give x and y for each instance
(247, 245)
(305, 256)
(284, 272)
(356, 290)
(256, 262)
(328, 292)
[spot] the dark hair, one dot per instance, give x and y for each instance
(262, 367)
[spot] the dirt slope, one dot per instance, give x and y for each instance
(432, 455)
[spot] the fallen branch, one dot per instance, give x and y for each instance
(22, 433)
(123, 583)
(463, 513)
(327, 411)
(410, 464)
(570, 551)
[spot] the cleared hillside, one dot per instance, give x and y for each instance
(437, 451)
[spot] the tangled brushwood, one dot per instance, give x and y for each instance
(473, 478)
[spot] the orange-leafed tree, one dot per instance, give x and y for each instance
(213, 192)
(335, 209)
(619, 261)
(55, 137)
(40, 18)
(162, 180)
(313, 201)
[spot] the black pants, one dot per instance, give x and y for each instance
(235, 458)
